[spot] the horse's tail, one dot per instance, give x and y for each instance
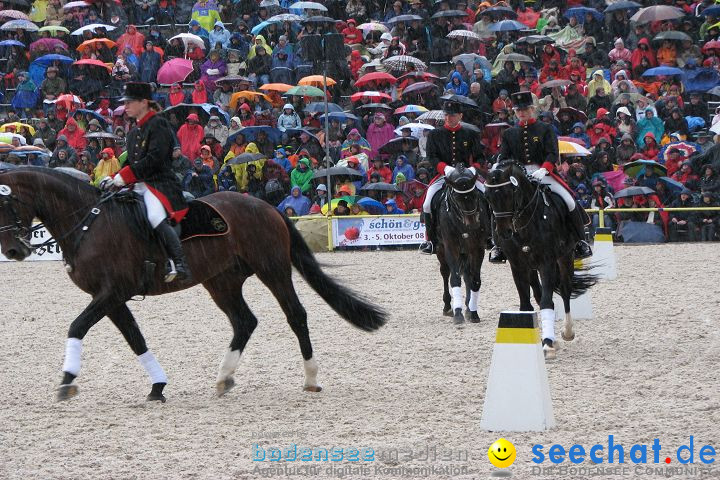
(346, 303)
(581, 281)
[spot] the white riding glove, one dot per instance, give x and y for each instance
(118, 181)
(539, 174)
(106, 183)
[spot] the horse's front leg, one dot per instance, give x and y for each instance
(472, 283)
(445, 272)
(567, 271)
(547, 311)
(73, 346)
(455, 288)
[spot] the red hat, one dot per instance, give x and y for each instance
(245, 107)
(353, 21)
(194, 117)
(601, 112)
(107, 150)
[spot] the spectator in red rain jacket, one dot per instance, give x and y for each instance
(381, 169)
(75, 135)
(686, 176)
(356, 63)
(133, 39)
(190, 136)
(351, 33)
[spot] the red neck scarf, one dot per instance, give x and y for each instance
(453, 129)
(529, 122)
(144, 119)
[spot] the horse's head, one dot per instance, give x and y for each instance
(507, 189)
(463, 195)
(16, 216)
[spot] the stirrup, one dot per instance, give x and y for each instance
(583, 250)
(427, 248)
(496, 255)
(171, 271)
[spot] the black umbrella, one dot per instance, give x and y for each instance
(499, 12)
(471, 127)
(319, 107)
(182, 110)
(245, 158)
(296, 132)
(517, 57)
(19, 3)
(381, 187)
(333, 171)
(233, 79)
(395, 145)
(622, 5)
(449, 14)
(419, 87)
(535, 40)
(632, 191)
(461, 99)
(404, 18)
(319, 19)
(672, 35)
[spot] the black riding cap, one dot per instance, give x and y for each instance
(137, 91)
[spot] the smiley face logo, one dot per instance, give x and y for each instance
(502, 453)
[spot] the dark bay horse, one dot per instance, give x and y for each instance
(108, 261)
(463, 226)
(531, 230)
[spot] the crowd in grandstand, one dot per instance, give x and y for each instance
(626, 89)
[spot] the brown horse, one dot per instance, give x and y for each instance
(107, 255)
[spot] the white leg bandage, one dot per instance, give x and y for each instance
(73, 352)
(457, 297)
(155, 210)
(547, 317)
(311, 371)
(431, 191)
(152, 367)
(229, 365)
(474, 300)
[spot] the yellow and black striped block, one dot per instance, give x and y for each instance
(518, 327)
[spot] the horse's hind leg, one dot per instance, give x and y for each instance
(522, 285)
(548, 277)
(125, 322)
(226, 290)
(535, 286)
(567, 270)
(445, 272)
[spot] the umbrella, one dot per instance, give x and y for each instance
(247, 95)
(401, 62)
(622, 5)
(19, 3)
(90, 62)
(49, 44)
(76, 4)
(713, 11)
(672, 35)
(92, 27)
(410, 109)
(411, 185)
(318, 19)
(269, 3)
(633, 169)
(416, 129)
(182, 110)
(461, 99)
(319, 107)
(284, 17)
(14, 15)
(575, 114)
(632, 191)
(340, 116)
(314, 233)
(506, 26)
(449, 14)
(261, 26)
(580, 12)
(350, 199)
(333, 171)
(652, 72)
(245, 158)
(419, 87)
(275, 87)
(11, 43)
(53, 29)
(535, 40)
(372, 206)
(68, 100)
(174, 71)
(109, 135)
(463, 34)
(91, 113)
(556, 83)
(189, 39)
(373, 27)
(305, 90)
(296, 132)
(370, 95)
(26, 25)
(714, 91)
(395, 145)
(8, 138)
(517, 57)
(418, 76)
(470, 59)
(17, 126)
(403, 18)
(433, 117)
(673, 185)
(375, 77)
(573, 149)
(73, 172)
(381, 187)
(499, 12)
(233, 80)
(308, 6)
(316, 81)
(250, 133)
(687, 148)
(711, 45)
(471, 127)
(375, 105)
(95, 43)
(656, 13)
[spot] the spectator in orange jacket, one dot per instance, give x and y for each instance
(133, 39)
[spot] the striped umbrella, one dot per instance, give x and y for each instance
(433, 117)
(573, 149)
(463, 34)
(14, 15)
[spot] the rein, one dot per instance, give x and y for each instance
(516, 214)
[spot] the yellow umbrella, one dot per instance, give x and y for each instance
(316, 81)
(572, 148)
(248, 95)
(276, 87)
(17, 126)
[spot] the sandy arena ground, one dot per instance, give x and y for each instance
(645, 368)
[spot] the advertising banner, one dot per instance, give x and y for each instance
(362, 231)
(49, 252)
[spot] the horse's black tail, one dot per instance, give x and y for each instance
(581, 281)
(345, 302)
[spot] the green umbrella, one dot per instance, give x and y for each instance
(305, 91)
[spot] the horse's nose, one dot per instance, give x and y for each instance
(11, 253)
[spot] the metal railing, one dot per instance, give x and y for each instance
(601, 218)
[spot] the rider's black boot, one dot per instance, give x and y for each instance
(582, 248)
(496, 255)
(178, 267)
(428, 246)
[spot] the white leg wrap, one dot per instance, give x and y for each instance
(457, 297)
(229, 365)
(152, 367)
(474, 300)
(73, 352)
(311, 371)
(547, 317)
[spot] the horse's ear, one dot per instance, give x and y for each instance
(513, 180)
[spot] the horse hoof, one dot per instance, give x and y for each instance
(472, 317)
(447, 312)
(568, 338)
(312, 388)
(549, 352)
(155, 397)
(224, 386)
(66, 392)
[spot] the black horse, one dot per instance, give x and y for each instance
(107, 256)
(463, 223)
(531, 229)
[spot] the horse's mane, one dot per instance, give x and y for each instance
(81, 186)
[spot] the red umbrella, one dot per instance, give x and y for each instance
(70, 101)
(174, 71)
(93, 63)
(711, 45)
(374, 96)
(375, 77)
(49, 43)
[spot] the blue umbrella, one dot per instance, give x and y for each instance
(250, 133)
(713, 11)
(651, 72)
(11, 43)
(672, 184)
(372, 206)
(46, 60)
(579, 13)
(260, 27)
(319, 107)
(340, 116)
(506, 26)
(622, 5)
(295, 132)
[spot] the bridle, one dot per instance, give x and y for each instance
(518, 209)
(452, 201)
